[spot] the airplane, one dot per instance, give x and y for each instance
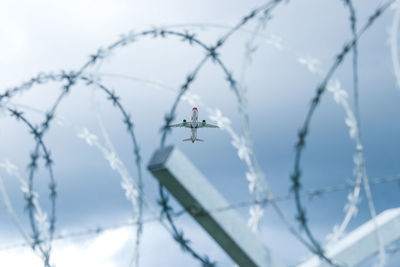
(194, 125)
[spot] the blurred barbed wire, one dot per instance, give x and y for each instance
(304, 131)
(308, 194)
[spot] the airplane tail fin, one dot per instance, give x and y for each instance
(201, 140)
(189, 139)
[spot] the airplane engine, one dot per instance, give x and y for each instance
(204, 122)
(184, 122)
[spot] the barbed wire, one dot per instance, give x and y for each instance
(30, 195)
(136, 151)
(258, 185)
(340, 96)
(309, 194)
(360, 148)
(353, 28)
(96, 230)
(114, 98)
(299, 147)
(352, 121)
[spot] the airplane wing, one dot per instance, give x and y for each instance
(182, 124)
(207, 125)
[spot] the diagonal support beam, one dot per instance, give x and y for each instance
(193, 191)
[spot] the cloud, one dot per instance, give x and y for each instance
(90, 252)
(115, 248)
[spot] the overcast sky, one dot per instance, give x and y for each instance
(49, 36)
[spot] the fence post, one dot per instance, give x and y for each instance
(361, 243)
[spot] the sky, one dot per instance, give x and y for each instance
(291, 55)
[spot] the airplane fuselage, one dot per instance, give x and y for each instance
(194, 124)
